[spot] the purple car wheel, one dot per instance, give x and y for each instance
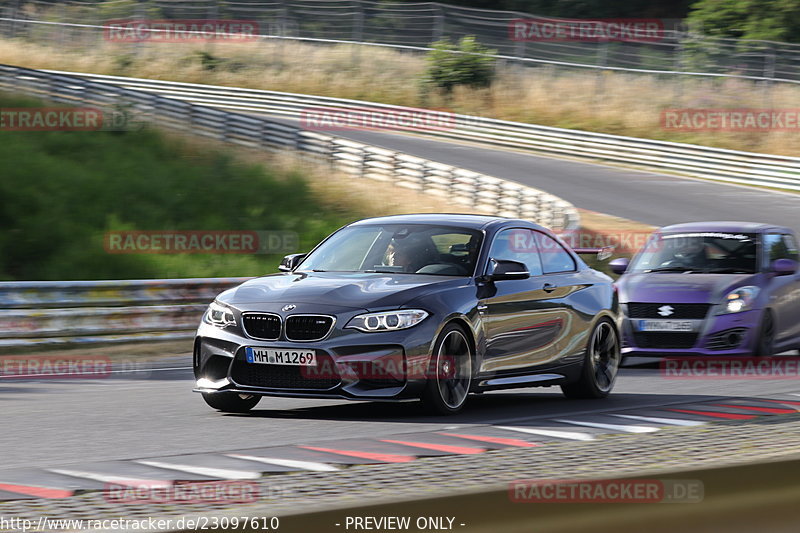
(765, 344)
(600, 366)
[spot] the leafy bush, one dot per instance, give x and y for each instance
(452, 64)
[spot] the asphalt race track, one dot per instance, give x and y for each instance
(77, 434)
(655, 199)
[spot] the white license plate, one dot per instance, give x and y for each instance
(666, 325)
(271, 356)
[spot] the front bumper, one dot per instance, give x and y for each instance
(733, 334)
(350, 364)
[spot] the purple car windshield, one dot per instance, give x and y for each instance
(699, 252)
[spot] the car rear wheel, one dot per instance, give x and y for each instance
(231, 402)
(450, 372)
(600, 365)
(765, 345)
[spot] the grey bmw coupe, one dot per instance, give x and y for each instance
(425, 306)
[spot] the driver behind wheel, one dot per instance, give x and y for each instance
(689, 253)
(411, 253)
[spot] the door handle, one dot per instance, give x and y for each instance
(548, 287)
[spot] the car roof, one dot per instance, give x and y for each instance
(442, 219)
(722, 226)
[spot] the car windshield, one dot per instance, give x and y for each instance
(700, 252)
(398, 249)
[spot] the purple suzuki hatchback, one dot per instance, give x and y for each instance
(712, 288)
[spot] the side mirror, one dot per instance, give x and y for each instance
(784, 267)
(290, 262)
(619, 266)
(501, 269)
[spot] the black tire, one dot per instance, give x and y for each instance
(600, 365)
(450, 372)
(765, 345)
(231, 402)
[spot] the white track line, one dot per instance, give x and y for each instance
(570, 435)
(112, 480)
(670, 421)
(614, 427)
(222, 473)
(289, 463)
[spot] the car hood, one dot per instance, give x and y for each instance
(341, 289)
(659, 287)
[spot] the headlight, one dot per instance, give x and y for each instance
(219, 315)
(738, 300)
(387, 320)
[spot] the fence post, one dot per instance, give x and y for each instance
(602, 62)
(358, 30)
(769, 74)
(14, 15)
(438, 22)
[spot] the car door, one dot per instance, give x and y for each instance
(521, 319)
(784, 290)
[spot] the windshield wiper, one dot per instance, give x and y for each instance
(728, 270)
(669, 269)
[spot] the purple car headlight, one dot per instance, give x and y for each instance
(738, 300)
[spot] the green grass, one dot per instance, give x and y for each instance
(60, 192)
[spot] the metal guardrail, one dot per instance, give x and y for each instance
(47, 313)
(731, 166)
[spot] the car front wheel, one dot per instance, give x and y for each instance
(765, 344)
(231, 402)
(450, 372)
(600, 365)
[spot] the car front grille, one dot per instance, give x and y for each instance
(264, 326)
(679, 311)
(323, 376)
(665, 339)
(308, 327)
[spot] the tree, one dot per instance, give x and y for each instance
(770, 20)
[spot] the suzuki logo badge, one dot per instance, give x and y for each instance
(288, 307)
(665, 310)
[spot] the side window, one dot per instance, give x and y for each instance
(555, 258)
(791, 247)
(777, 246)
(517, 245)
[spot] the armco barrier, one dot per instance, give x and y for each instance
(747, 168)
(46, 313)
(470, 189)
